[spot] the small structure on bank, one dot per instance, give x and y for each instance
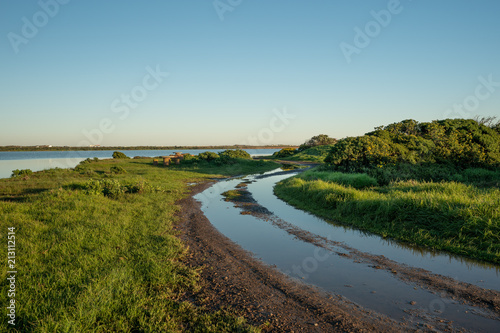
(174, 158)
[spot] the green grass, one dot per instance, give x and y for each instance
(432, 172)
(356, 180)
(450, 216)
(96, 260)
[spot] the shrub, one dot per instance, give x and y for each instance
(318, 140)
(119, 154)
(190, 159)
(236, 153)
(208, 156)
(117, 170)
(113, 188)
(353, 153)
(21, 173)
(285, 152)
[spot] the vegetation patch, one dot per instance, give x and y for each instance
(450, 216)
(231, 195)
(434, 184)
(100, 254)
(356, 180)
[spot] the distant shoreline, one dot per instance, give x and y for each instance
(67, 148)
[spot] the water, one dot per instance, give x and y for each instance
(379, 290)
(41, 160)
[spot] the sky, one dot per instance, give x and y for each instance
(78, 73)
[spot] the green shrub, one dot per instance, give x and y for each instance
(236, 153)
(350, 154)
(117, 170)
(113, 188)
(285, 152)
(21, 173)
(208, 156)
(119, 154)
(318, 140)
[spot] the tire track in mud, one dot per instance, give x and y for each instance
(444, 286)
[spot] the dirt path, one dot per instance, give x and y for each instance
(231, 277)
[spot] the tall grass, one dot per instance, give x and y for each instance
(449, 216)
(356, 180)
(91, 261)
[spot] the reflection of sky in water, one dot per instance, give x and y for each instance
(334, 273)
(41, 160)
(460, 268)
(6, 166)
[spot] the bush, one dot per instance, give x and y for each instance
(236, 153)
(119, 154)
(350, 154)
(318, 140)
(285, 152)
(208, 156)
(117, 170)
(21, 173)
(113, 188)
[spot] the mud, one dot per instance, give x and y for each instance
(232, 277)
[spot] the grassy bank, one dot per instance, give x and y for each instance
(452, 216)
(96, 249)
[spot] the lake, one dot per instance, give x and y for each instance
(41, 160)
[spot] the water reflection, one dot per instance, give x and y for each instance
(360, 282)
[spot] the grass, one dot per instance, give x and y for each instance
(90, 259)
(451, 216)
(480, 177)
(356, 180)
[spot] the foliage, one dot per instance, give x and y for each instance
(208, 156)
(21, 173)
(463, 143)
(119, 154)
(236, 153)
(318, 140)
(285, 152)
(315, 154)
(114, 188)
(117, 169)
(109, 260)
(355, 180)
(356, 152)
(449, 216)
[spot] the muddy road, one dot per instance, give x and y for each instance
(284, 272)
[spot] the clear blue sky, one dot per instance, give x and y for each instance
(232, 69)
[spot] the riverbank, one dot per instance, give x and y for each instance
(98, 148)
(232, 277)
(450, 216)
(97, 249)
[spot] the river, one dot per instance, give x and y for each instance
(41, 160)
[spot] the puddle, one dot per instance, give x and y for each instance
(360, 282)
